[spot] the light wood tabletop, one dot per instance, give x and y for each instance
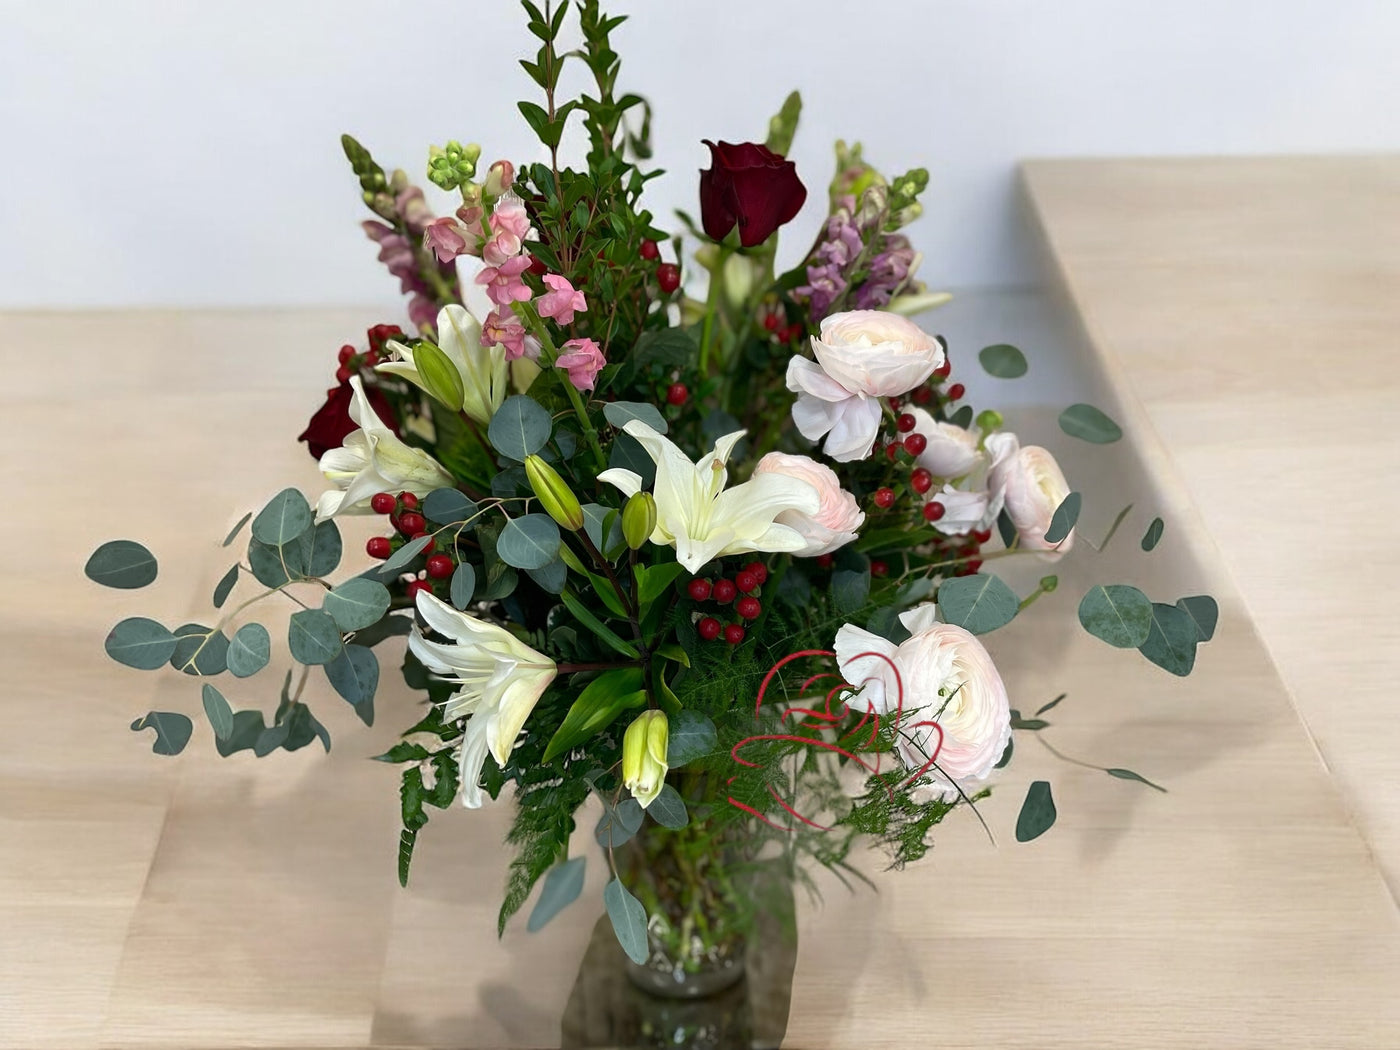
(202, 902)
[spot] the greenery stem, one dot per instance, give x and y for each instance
(711, 309)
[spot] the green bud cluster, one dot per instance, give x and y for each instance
(373, 181)
(904, 197)
(452, 166)
(783, 126)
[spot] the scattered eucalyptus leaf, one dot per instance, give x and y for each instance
(172, 730)
(980, 603)
(249, 650)
(1089, 424)
(1037, 812)
(562, 885)
(141, 643)
(1153, 535)
(1116, 613)
(217, 710)
(629, 920)
(123, 564)
(1003, 361)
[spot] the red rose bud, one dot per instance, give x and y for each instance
(749, 186)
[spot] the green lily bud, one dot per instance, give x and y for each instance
(554, 494)
(438, 375)
(989, 420)
(644, 756)
(638, 519)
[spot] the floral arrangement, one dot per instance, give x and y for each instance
(721, 564)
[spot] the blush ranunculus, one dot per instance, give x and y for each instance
(951, 451)
(1032, 487)
(947, 677)
(836, 521)
(876, 353)
(750, 186)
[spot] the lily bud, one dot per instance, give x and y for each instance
(638, 519)
(438, 375)
(644, 756)
(554, 494)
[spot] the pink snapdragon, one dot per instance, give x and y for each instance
(504, 253)
(561, 301)
(503, 328)
(505, 283)
(582, 359)
(446, 239)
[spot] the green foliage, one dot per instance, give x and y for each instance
(562, 885)
(400, 559)
(218, 712)
(981, 603)
(1037, 812)
(692, 736)
(462, 585)
(600, 702)
(233, 532)
(357, 603)
(354, 674)
(520, 427)
(529, 542)
(313, 637)
(286, 516)
(448, 507)
(620, 413)
(1003, 361)
(1064, 518)
(1171, 639)
(629, 920)
(172, 730)
(668, 808)
(123, 564)
(1128, 774)
(1089, 424)
(200, 650)
(888, 813)
(249, 650)
(618, 823)
(1153, 535)
(140, 643)
(225, 587)
(544, 820)
(1204, 614)
(1116, 613)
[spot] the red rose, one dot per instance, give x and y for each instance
(750, 185)
(332, 423)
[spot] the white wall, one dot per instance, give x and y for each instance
(186, 152)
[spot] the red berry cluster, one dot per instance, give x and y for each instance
(774, 321)
(352, 360)
(409, 523)
(668, 275)
(743, 587)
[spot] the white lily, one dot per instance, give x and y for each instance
(374, 459)
(501, 677)
(702, 519)
(485, 374)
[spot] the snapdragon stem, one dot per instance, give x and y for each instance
(549, 353)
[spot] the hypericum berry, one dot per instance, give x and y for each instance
(382, 503)
(342, 374)
(346, 352)
(933, 510)
(410, 522)
(538, 267)
(676, 394)
(884, 498)
(428, 547)
(892, 450)
(759, 571)
(379, 547)
(956, 391)
(733, 634)
(905, 423)
(879, 568)
(914, 444)
(417, 585)
(826, 561)
(408, 501)
(791, 332)
(649, 251)
(943, 370)
(372, 358)
(968, 568)
(668, 277)
(748, 608)
(982, 535)
(746, 582)
(724, 591)
(773, 322)
(440, 566)
(699, 589)
(922, 396)
(921, 481)
(709, 628)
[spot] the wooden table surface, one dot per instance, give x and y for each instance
(199, 902)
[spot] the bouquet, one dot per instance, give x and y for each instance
(723, 565)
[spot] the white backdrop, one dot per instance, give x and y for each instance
(186, 152)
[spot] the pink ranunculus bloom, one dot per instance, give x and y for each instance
(504, 284)
(561, 301)
(447, 239)
(503, 328)
(582, 359)
(1033, 487)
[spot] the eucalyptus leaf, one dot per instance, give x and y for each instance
(233, 532)
(356, 604)
(123, 564)
(448, 507)
(1052, 704)
(1064, 518)
(200, 650)
(529, 542)
(668, 808)
(249, 650)
(1204, 614)
(1128, 774)
(270, 739)
(618, 823)
(172, 730)
(462, 586)
(1153, 535)
(980, 603)
(1171, 640)
(1037, 812)
(319, 549)
(247, 728)
(629, 920)
(1089, 424)
(217, 710)
(620, 413)
(225, 587)
(553, 577)
(392, 626)
(271, 566)
(354, 674)
(603, 526)
(520, 427)
(1116, 613)
(313, 637)
(1003, 361)
(692, 735)
(286, 516)
(405, 554)
(140, 643)
(628, 454)
(562, 885)
(962, 417)
(850, 589)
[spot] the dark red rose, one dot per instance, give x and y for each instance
(332, 423)
(750, 185)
